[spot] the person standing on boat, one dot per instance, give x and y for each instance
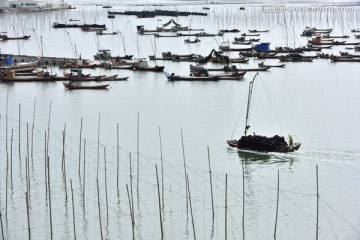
(291, 141)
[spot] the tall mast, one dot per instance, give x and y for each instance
(248, 104)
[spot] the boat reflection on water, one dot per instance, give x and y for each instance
(250, 157)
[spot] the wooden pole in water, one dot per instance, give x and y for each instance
(191, 212)
(6, 184)
(226, 207)
(28, 214)
(98, 197)
(48, 175)
(63, 163)
(106, 192)
(117, 157)
(243, 210)
(81, 121)
(138, 154)
(131, 189)
(317, 203)
(162, 169)
(11, 155)
(32, 131)
(2, 228)
(83, 196)
(27, 158)
(98, 150)
(19, 134)
(48, 136)
(6, 123)
(186, 192)
(211, 187)
(73, 208)
(46, 179)
(277, 204)
(159, 200)
(131, 214)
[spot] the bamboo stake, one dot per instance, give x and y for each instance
(138, 154)
(162, 170)
(46, 178)
(6, 123)
(80, 146)
(185, 174)
(131, 214)
(64, 164)
(159, 199)
(243, 212)
(11, 155)
(19, 134)
(83, 196)
(131, 189)
(106, 191)
(27, 159)
(28, 214)
(277, 204)
(73, 208)
(117, 157)
(48, 137)
(98, 197)
(317, 203)
(191, 212)
(48, 174)
(2, 228)
(211, 187)
(32, 131)
(6, 184)
(98, 149)
(226, 207)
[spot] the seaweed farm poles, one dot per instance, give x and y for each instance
(317, 203)
(83, 193)
(183, 150)
(117, 157)
(99, 209)
(159, 200)
(211, 187)
(191, 211)
(73, 208)
(81, 123)
(162, 169)
(226, 207)
(138, 153)
(28, 214)
(277, 204)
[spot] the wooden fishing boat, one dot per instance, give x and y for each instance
(159, 35)
(233, 68)
(330, 36)
(144, 66)
(355, 30)
(349, 54)
(227, 48)
(5, 37)
(243, 39)
(93, 29)
(200, 34)
(196, 40)
(113, 78)
(71, 86)
(173, 77)
(250, 35)
(262, 64)
(261, 143)
(342, 59)
(28, 78)
(334, 43)
(229, 30)
(324, 55)
(111, 16)
(241, 43)
(294, 59)
(258, 31)
(106, 33)
(21, 66)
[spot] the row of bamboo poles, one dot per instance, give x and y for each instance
(34, 180)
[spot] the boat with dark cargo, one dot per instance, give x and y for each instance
(262, 143)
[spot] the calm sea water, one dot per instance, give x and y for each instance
(315, 102)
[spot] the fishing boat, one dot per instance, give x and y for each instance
(233, 68)
(241, 43)
(355, 30)
(103, 54)
(173, 77)
(93, 29)
(144, 66)
(262, 64)
(261, 143)
(106, 33)
(71, 86)
(256, 31)
(21, 66)
(243, 39)
(357, 36)
(295, 58)
(250, 35)
(333, 43)
(331, 36)
(200, 34)
(227, 48)
(349, 54)
(344, 59)
(196, 40)
(229, 30)
(5, 37)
